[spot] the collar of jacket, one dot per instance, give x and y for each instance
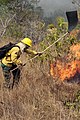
(22, 46)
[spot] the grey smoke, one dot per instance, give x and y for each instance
(59, 6)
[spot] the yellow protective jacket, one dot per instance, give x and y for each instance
(12, 57)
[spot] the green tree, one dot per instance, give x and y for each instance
(5, 1)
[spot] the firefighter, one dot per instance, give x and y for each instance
(11, 61)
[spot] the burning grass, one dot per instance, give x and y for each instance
(67, 69)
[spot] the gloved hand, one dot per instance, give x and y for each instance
(20, 64)
(39, 53)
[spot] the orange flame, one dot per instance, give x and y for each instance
(74, 33)
(66, 70)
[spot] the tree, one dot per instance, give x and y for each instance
(5, 2)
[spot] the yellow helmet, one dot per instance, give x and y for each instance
(27, 41)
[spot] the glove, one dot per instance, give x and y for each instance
(39, 53)
(20, 64)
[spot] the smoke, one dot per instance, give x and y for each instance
(50, 6)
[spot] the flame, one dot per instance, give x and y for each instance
(74, 33)
(75, 51)
(66, 70)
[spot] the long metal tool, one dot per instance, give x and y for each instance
(50, 46)
(43, 50)
(72, 22)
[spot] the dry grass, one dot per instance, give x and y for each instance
(38, 96)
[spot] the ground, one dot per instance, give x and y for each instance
(38, 96)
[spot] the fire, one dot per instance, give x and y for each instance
(75, 51)
(67, 70)
(75, 33)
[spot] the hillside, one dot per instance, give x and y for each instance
(38, 96)
(49, 85)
